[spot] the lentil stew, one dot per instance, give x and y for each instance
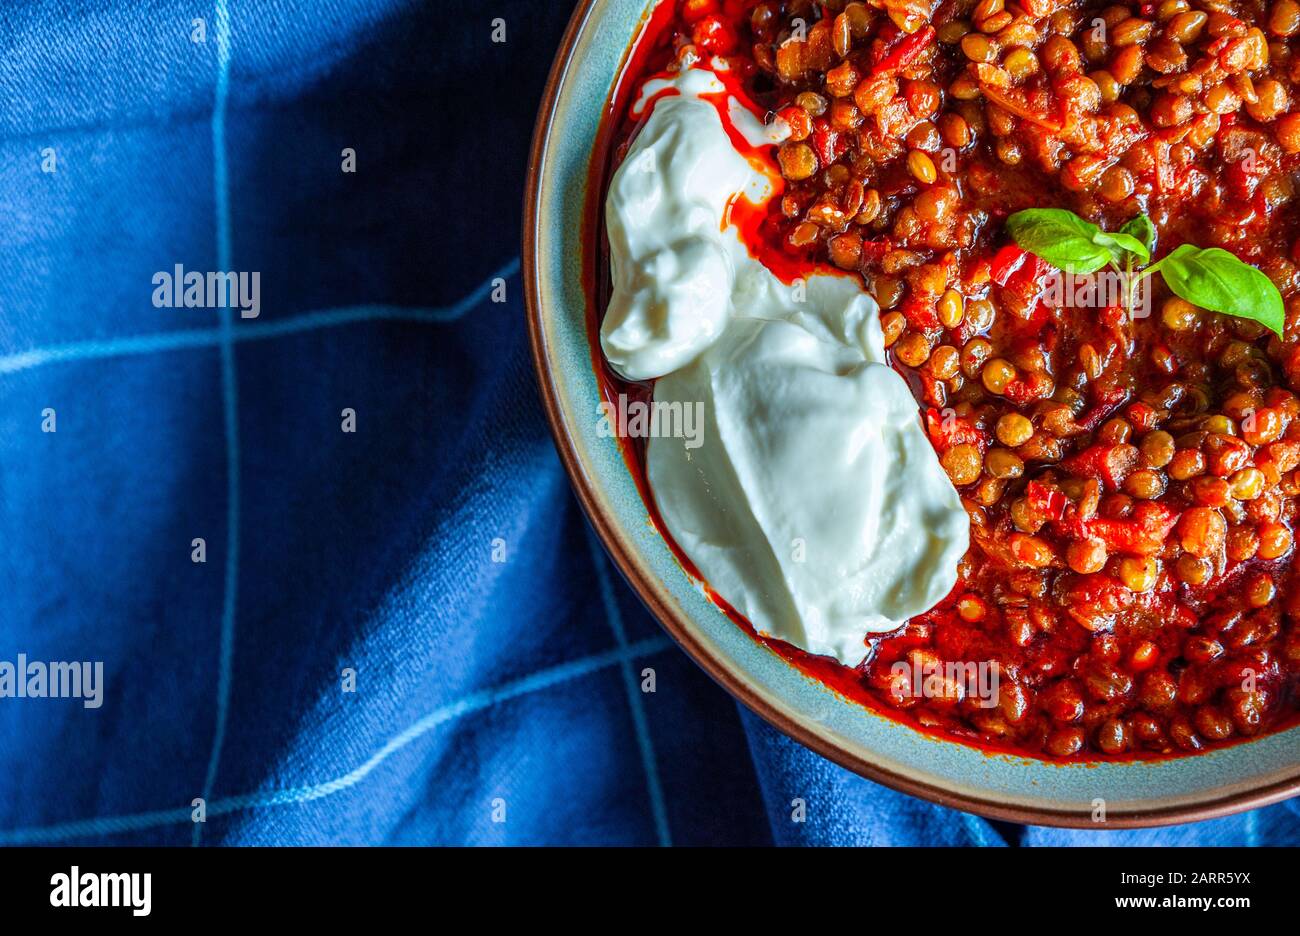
(1132, 482)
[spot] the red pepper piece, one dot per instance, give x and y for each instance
(1143, 416)
(1046, 501)
(875, 250)
(1014, 102)
(1026, 389)
(1120, 536)
(905, 51)
(1019, 273)
(950, 430)
(1005, 262)
(827, 143)
(1105, 407)
(920, 314)
(1110, 464)
(1143, 534)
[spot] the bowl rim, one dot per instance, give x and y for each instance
(683, 631)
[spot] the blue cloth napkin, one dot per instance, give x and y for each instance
(403, 633)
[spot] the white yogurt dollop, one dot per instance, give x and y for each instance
(814, 503)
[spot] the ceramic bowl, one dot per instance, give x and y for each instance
(1137, 793)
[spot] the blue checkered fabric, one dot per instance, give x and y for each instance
(433, 560)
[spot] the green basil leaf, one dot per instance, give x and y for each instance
(1125, 242)
(1144, 230)
(1215, 279)
(1061, 238)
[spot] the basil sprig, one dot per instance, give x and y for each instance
(1063, 239)
(1211, 278)
(1214, 279)
(1143, 229)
